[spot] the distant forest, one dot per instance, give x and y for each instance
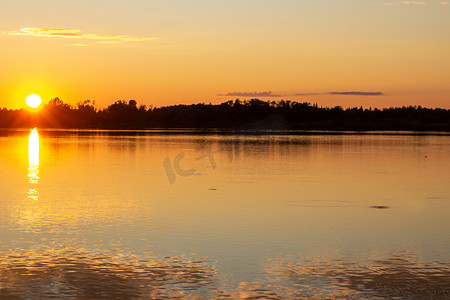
(235, 114)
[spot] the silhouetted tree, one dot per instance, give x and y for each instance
(232, 114)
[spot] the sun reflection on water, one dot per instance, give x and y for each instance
(33, 162)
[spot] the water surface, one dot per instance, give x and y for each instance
(152, 214)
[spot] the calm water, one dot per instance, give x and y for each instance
(103, 215)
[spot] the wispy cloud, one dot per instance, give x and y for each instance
(414, 2)
(357, 93)
(343, 93)
(76, 34)
(271, 94)
(251, 94)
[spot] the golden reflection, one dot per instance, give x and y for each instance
(33, 162)
(77, 274)
(385, 275)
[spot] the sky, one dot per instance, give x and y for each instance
(370, 53)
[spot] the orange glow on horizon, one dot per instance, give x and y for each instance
(325, 49)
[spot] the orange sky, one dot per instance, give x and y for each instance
(170, 52)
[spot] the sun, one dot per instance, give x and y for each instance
(34, 100)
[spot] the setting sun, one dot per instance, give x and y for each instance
(34, 101)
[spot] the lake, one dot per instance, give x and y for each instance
(166, 214)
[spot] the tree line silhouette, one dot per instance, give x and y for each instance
(233, 114)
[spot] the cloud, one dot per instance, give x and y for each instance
(250, 94)
(343, 93)
(357, 93)
(414, 2)
(75, 34)
(270, 94)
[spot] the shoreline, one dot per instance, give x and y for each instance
(218, 131)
